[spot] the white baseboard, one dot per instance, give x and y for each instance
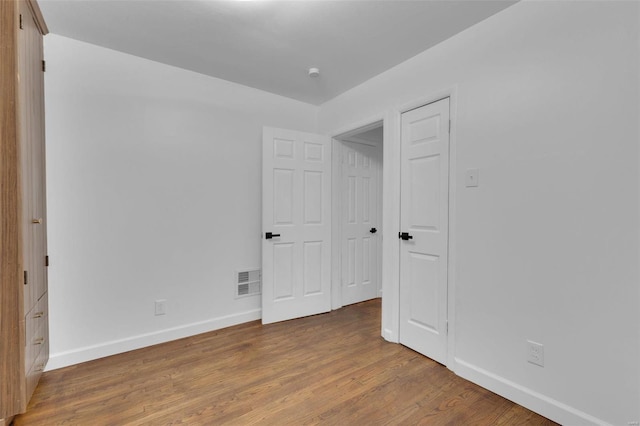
(387, 335)
(537, 402)
(88, 353)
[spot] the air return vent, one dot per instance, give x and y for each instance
(248, 283)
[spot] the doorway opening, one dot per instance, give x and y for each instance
(357, 229)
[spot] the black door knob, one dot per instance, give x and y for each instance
(405, 236)
(373, 230)
(269, 235)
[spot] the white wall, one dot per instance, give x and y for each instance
(546, 248)
(154, 192)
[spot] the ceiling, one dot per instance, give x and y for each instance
(270, 45)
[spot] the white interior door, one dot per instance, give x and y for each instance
(360, 222)
(296, 224)
(424, 220)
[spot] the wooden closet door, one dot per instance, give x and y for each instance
(32, 150)
(35, 100)
(25, 152)
(24, 348)
(11, 219)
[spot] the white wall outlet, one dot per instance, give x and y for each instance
(471, 178)
(535, 353)
(161, 307)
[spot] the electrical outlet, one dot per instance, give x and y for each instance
(535, 353)
(161, 307)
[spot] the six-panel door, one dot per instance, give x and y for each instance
(360, 222)
(296, 210)
(424, 217)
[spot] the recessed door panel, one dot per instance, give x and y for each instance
(283, 196)
(365, 160)
(351, 262)
(366, 199)
(312, 267)
(283, 266)
(351, 158)
(424, 130)
(366, 260)
(312, 197)
(352, 199)
(423, 290)
(313, 152)
(424, 175)
(283, 148)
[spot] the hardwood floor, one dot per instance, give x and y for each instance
(331, 369)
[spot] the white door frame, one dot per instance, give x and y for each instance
(336, 205)
(391, 246)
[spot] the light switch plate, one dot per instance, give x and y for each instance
(161, 307)
(471, 178)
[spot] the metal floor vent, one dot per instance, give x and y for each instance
(248, 283)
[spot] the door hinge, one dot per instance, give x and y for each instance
(449, 126)
(46, 261)
(21, 21)
(26, 278)
(447, 326)
(44, 66)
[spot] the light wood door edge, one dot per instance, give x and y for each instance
(12, 323)
(37, 14)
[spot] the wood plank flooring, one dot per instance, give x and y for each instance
(330, 369)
